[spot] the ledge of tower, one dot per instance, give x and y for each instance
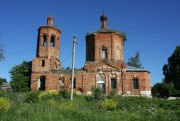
(109, 31)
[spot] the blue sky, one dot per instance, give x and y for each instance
(152, 28)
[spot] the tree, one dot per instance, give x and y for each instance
(20, 76)
(134, 61)
(162, 89)
(171, 71)
(1, 53)
(2, 80)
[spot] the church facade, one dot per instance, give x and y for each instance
(104, 67)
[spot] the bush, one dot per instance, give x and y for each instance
(32, 97)
(65, 93)
(1, 94)
(163, 90)
(4, 104)
(113, 93)
(97, 93)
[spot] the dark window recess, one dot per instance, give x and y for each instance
(135, 83)
(42, 63)
(74, 83)
(113, 83)
(90, 55)
(42, 83)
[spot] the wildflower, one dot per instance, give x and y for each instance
(42, 95)
(108, 104)
(68, 106)
(53, 92)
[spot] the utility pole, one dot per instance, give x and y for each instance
(73, 60)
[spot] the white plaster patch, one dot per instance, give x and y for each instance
(119, 92)
(89, 92)
(128, 92)
(146, 93)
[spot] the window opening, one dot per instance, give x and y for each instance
(61, 81)
(44, 40)
(113, 83)
(104, 53)
(74, 83)
(42, 83)
(101, 83)
(135, 83)
(42, 63)
(52, 41)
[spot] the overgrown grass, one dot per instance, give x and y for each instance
(57, 107)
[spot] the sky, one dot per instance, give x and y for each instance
(152, 27)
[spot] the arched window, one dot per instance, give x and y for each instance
(44, 40)
(101, 82)
(52, 41)
(104, 53)
(101, 78)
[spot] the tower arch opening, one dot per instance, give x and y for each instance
(44, 40)
(52, 42)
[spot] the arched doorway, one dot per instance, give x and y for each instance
(42, 80)
(101, 82)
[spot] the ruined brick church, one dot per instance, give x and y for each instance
(104, 67)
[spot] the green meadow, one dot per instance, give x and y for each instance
(57, 106)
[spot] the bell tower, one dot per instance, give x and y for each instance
(47, 54)
(48, 40)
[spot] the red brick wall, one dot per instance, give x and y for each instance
(143, 82)
(113, 42)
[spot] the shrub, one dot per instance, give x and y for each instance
(65, 93)
(4, 104)
(32, 97)
(113, 93)
(97, 93)
(1, 93)
(108, 104)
